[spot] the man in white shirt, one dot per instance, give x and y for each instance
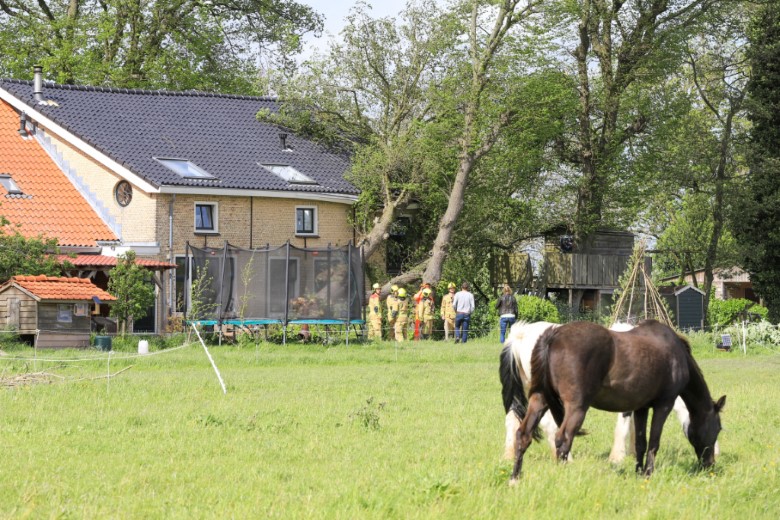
(463, 303)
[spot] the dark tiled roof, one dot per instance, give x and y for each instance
(219, 133)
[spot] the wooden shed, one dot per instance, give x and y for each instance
(56, 311)
(687, 305)
(595, 271)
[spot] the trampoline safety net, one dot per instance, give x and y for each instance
(282, 283)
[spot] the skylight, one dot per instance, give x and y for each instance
(184, 168)
(288, 173)
(10, 186)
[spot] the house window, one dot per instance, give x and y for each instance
(206, 217)
(184, 168)
(123, 193)
(10, 186)
(305, 220)
(288, 173)
(64, 313)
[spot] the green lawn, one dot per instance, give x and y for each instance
(363, 431)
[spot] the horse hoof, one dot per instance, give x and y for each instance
(513, 482)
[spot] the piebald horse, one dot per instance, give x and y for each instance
(582, 365)
(515, 374)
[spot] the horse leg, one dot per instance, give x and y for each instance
(537, 406)
(550, 428)
(660, 413)
(622, 428)
(640, 437)
(512, 425)
(573, 418)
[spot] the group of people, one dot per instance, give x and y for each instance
(455, 310)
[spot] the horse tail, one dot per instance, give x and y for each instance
(540, 370)
(512, 389)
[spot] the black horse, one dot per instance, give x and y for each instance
(582, 364)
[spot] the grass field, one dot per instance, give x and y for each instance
(365, 431)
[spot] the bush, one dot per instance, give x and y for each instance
(533, 308)
(725, 312)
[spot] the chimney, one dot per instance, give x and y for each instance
(283, 139)
(38, 83)
(23, 124)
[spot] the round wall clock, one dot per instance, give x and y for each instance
(123, 193)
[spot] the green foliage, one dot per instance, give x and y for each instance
(131, 285)
(202, 298)
(759, 206)
(368, 415)
(725, 312)
(175, 44)
(533, 308)
(27, 256)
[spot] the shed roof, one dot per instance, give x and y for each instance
(44, 287)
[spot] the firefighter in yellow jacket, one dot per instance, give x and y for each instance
(392, 300)
(426, 312)
(375, 314)
(448, 312)
(401, 314)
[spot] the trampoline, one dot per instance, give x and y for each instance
(283, 286)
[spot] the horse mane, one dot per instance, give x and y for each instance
(697, 386)
(511, 385)
(540, 370)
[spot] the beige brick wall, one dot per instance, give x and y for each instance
(145, 219)
(137, 219)
(252, 222)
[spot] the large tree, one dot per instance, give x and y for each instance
(422, 104)
(704, 155)
(176, 44)
(620, 50)
(759, 211)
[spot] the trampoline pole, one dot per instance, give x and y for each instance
(286, 294)
(222, 291)
(349, 287)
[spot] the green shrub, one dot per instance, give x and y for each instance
(533, 308)
(725, 312)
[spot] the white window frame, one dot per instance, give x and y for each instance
(177, 165)
(214, 217)
(315, 223)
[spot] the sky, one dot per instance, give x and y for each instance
(335, 11)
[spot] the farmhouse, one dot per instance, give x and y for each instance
(55, 311)
(163, 169)
(728, 282)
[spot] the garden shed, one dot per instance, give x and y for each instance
(55, 311)
(687, 304)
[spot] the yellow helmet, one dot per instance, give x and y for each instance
(402, 293)
(394, 288)
(450, 285)
(426, 292)
(375, 286)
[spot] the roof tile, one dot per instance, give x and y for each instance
(51, 206)
(60, 288)
(219, 133)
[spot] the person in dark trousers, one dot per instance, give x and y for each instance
(463, 303)
(507, 310)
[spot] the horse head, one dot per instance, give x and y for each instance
(703, 432)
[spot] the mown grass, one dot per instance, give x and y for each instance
(366, 431)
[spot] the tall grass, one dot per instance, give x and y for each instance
(366, 431)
